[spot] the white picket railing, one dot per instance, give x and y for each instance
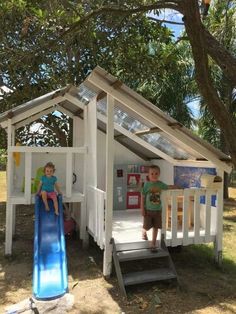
(188, 220)
(96, 214)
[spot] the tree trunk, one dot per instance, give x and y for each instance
(221, 56)
(196, 37)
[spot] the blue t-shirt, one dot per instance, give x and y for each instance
(152, 194)
(48, 183)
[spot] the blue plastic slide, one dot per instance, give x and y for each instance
(50, 266)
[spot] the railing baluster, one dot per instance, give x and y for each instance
(208, 216)
(186, 217)
(174, 222)
(197, 217)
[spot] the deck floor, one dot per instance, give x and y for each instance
(127, 227)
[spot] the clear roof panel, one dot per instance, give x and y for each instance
(164, 145)
(133, 125)
(85, 94)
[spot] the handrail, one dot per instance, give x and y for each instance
(34, 149)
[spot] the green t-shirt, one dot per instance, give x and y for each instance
(152, 194)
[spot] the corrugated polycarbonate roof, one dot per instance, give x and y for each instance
(163, 134)
(171, 134)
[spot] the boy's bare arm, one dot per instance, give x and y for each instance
(173, 187)
(142, 205)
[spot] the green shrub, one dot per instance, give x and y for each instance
(3, 159)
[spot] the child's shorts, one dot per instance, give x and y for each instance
(152, 219)
(51, 195)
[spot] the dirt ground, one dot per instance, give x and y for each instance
(205, 289)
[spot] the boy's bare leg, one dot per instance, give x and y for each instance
(144, 235)
(45, 200)
(55, 203)
(154, 237)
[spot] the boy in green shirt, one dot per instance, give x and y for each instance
(151, 204)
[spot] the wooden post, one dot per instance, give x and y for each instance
(219, 222)
(107, 261)
(9, 207)
(69, 174)
(84, 217)
(28, 170)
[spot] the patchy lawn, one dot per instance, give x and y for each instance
(205, 289)
(2, 186)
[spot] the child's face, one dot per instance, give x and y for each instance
(153, 175)
(49, 172)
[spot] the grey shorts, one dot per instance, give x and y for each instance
(152, 219)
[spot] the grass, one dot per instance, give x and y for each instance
(205, 289)
(2, 186)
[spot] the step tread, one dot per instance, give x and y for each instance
(129, 246)
(148, 276)
(141, 254)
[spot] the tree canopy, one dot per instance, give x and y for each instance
(45, 45)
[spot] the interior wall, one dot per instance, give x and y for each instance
(122, 155)
(167, 170)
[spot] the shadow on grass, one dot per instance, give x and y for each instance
(203, 284)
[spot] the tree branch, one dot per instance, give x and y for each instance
(164, 21)
(221, 56)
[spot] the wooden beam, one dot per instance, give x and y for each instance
(175, 125)
(34, 118)
(74, 101)
(107, 261)
(150, 131)
(30, 112)
(62, 150)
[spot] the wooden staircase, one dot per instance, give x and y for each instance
(126, 252)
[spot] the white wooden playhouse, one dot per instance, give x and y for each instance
(115, 130)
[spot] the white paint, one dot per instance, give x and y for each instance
(167, 170)
(107, 258)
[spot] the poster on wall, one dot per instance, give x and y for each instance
(190, 177)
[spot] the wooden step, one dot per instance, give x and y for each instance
(129, 246)
(148, 276)
(141, 254)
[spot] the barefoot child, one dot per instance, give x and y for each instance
(151, 204)
(47, 186)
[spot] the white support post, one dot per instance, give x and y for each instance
(69, 174)
(28, 170)
(84, 215)
(107, 261)
(13, 219)
(9, 231)
(219, 222)
(9, 207)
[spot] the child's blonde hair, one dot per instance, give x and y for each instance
(155, 167)
(49, 165)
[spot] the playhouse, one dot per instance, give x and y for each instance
(116, 135)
